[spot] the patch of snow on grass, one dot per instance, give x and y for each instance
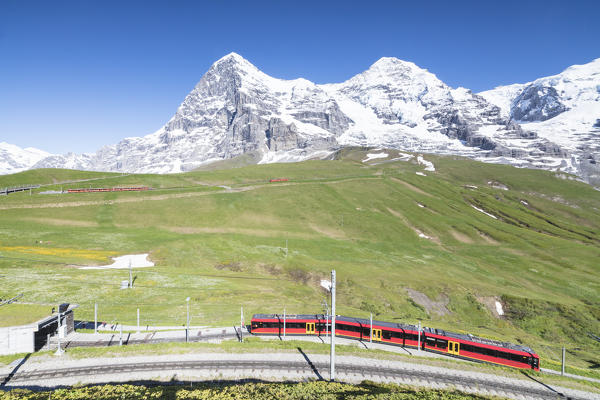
(420, 173)
(122, 262)
(499, 308)
(498, 185)
(420, 205)
(373, 156)
(428, 164)
(422, 235)
(486, 213)
(403, 157)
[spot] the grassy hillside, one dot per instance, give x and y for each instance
(440, 248)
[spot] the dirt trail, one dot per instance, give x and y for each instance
(411, 187)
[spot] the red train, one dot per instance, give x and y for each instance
(278, 180)
(458, 345)
(115, 189)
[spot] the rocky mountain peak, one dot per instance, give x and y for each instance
(233, 62)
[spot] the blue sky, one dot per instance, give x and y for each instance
(78, 75)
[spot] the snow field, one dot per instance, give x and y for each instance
(123, 262)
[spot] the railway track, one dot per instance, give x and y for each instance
(318, 370)
(116, 341)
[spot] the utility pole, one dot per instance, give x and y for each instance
(562, 371)
(187, 325)
(283, 323)
(138, 320)
(371, 329)
(130, 276)
(95, 317)
(241, 323)
(120, 334)
(332, 354)
(419, 337)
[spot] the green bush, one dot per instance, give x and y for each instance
(250, 391)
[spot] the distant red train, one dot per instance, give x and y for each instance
(115, 189)
(452, 344)
(278, 180)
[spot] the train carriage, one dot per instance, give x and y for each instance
(452, 344)
(301, 324)
(480, 349)
(385, 332)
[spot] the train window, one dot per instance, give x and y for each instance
(430, 341)
(396, 334)
(521, 359)
(386, 334)
(366, 332)
(441, 344)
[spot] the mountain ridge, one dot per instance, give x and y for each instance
(235, 109)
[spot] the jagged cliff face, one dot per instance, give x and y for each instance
(235, 109)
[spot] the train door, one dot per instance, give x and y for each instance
(453, 347)
(376, 334)
(310, 328)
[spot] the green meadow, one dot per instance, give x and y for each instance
(440, 248)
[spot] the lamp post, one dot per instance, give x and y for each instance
(332, 355)
(59, 350)
(326, 309)
(187, 326)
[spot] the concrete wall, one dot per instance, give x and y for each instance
(17, 339)
(30, 338)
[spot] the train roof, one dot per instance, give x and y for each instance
(470, 338)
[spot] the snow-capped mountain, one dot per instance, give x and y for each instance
(564, 109)
(397, 104)
(15, 159)
(235, 109)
